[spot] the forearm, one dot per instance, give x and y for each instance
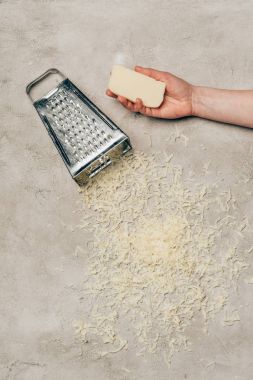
(228, 106)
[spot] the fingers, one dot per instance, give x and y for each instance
(138, 106)
(147, 111)
(110, 93)
(123, 101)
(134, 107)
(156, 74)
(126, 103)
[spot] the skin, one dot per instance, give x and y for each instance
(184, 99)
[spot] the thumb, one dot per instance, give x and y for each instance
(156, 74)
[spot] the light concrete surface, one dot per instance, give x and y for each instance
(206, 42)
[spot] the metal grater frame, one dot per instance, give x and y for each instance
(87, 140)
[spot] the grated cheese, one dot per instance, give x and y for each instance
(153, 262)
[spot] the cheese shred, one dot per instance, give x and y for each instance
(164, 253)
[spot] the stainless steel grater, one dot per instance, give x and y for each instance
(87, 139)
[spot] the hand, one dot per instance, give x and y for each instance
(177, 97)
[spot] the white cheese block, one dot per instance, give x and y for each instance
(133, 85)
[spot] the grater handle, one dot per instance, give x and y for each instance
(40, 78)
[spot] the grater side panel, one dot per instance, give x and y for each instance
(80, 131)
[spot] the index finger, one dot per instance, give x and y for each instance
(110, 93)
(156, 74)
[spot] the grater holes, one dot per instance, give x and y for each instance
(81, 132)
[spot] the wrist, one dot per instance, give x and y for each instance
(195, 96)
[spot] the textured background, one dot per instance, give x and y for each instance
(206, 42)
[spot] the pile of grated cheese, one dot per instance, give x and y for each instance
(163, 253)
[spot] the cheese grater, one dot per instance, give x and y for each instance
(85, 137)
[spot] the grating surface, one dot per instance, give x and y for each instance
(82, 134)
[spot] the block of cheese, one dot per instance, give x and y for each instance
(133, 85)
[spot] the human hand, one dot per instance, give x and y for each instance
(177, 97)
